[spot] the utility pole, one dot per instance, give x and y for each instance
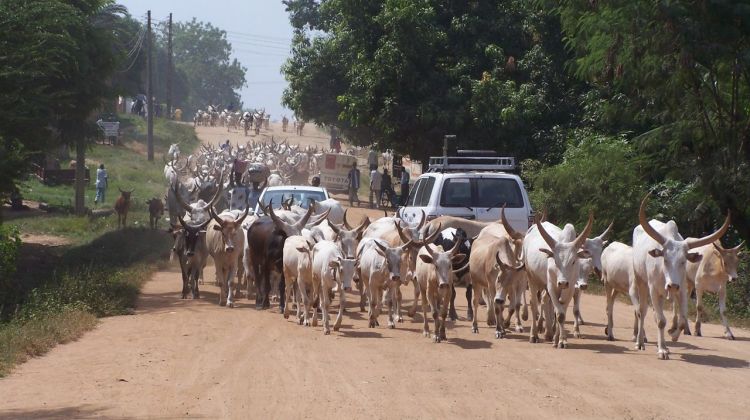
(149, 93)
(169, 68)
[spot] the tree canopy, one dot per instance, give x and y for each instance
(405, 73)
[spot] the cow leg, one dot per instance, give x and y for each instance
(722, 308)
(488, 298)
(561, 336)
(639, 296)
(342, 307)
(289, 292)
(680, 308)
(534, 330)
(657, 301)
(230, 283)
(469, 303)
(433, 298)
(361, 290)
(392, 303)
(577, 319)
(325, 303)
(453, 315)
(699, 310)
(183, 270)
(425, 322)
(306, 302)
(610, 293)
(194, 283)
(397, 304)
(413, 310)
(499, 324)
(282, 293)
(444, 303)
(372, 299)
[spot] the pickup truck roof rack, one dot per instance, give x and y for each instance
(467, 163)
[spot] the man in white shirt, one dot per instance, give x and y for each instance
(101, 184)
(372, 159)
(375, 185)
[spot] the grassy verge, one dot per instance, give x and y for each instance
(57, 293)
(127, 168)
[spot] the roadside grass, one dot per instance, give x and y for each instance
(127, 169)
(57, 293)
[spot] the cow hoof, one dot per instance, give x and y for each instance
(391, 325)
(610, 338)
(519, 328)
(675, 338)
(326, 332)
(687, 332)
(560, 345)
(662, 355)
(499, 334)
(576, 334)
(400, 319)
(581, 321)
(533, 340)
(286, 316)
(377, 324)
(436, 339)
(475, 330)
(301, 321)
(426, 333)
(698, 333)
(640, 347)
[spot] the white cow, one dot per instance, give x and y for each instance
(660, 257)
(331, 268)
(298, 279)
(551, 257)
(618, 277)
(380, 269)
(434, 272)
(717, 266)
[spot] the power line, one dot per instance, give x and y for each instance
(270, 39)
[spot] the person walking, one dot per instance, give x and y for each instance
(353, 179)
(404, 186)
(372, 159)
(375, 185)
(101, 184)
(386, 187)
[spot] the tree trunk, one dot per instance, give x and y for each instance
(80, 184)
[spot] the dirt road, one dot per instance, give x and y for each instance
(182, 358)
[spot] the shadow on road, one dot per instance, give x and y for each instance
(80, 412)
(715, 361)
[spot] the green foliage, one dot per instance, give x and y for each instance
(10, 244)
(202, 54)
(678, 74)
(598, 173)
(404, 73)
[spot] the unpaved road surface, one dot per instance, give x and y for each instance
(191, 358)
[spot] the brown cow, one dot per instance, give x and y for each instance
(122, 205)
(155, 211)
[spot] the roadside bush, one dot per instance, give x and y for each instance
(10, 243)
(598, 173)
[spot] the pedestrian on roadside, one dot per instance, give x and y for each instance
(372, 159)
(386, 187)
(376, 179)
(101, 184)
(353, 179)
(404, 186)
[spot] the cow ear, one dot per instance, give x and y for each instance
(458, 258)
(694, 257)
(303, 249)
(426, 258)
(547, 251)
(584, 254)
(656, 253)
(217, 227)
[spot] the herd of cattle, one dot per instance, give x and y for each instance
(306, 256)
(236, 120)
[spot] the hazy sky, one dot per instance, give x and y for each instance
(258, 30)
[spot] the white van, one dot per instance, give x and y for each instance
(473, 186)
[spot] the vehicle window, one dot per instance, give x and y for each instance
(456, 192)
(301, 198)
(494, 192)
(422, 198)
(413, 192)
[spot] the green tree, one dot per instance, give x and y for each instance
(202, 54)
(679, 74)
(405, 73)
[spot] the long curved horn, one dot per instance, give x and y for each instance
(544, 215)
(645, 225)
(363, 225)
(320, 219)
(180, 201)
(422, 220)
(430, 251)
(465, 267)
(606, 231)
(551, 242)
(278, 222)
(407, 245)
(335, 229)
(401, 233)
(508, 228)
(431, 238)
(244, 215)
(455, 248)
(346, 223)
(214, 216)
(738, 248)
(712, 237)
(586, 231)
(302, 222)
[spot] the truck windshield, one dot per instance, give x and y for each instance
(301, 197)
